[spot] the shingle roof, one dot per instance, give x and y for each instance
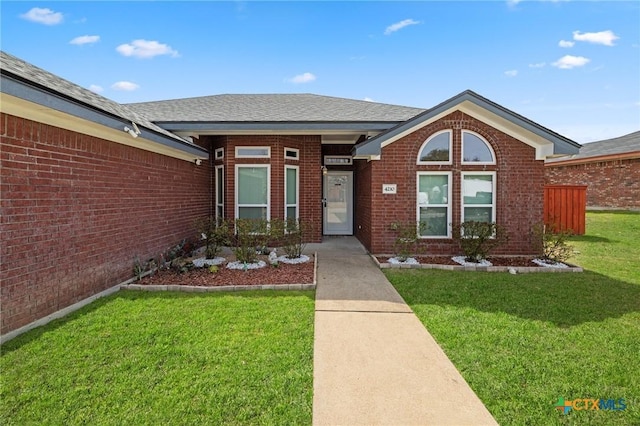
(272, 108)
(620, 145)
(25, 71)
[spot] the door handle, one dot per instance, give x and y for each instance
(324, 202)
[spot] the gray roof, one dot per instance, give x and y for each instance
(25, 73)
(272, 108)
(620, 145)
(561, 144)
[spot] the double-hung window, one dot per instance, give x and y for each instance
(478, 197)
(291, 193)
(252, 191)
(434, 204)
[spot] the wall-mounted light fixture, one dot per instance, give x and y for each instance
(324, 171)
(197, 161)
(133, 130)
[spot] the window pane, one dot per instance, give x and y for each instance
(478, 214)
(252, 212)
(219, 211)
(433, 189)
(252, 185)
(219, 185)
(291, 185)
(478, 189)
(253, 152)
(475, 149)
(433, 221)
(437, 149)
(291, 213)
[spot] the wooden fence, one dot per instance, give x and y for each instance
(565, 206)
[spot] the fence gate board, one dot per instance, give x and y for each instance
(565, 206)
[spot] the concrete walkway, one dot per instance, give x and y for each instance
(374, 361)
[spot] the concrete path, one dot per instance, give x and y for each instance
(374, 361)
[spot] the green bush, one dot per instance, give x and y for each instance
(477, 239)
(406, 240)
(552, 242)
(215, 232)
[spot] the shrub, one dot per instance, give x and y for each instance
(246, 239)
(406, 240)
(552, 242)
(215, 232)
(294, 236)
(477, 239)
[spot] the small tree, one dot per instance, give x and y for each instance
(295, 234)
(246, 240)
(477, 239)
(552, 242)
(215, 232)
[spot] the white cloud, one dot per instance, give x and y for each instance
(306, 77)
(85, 39)
(566, 43)
(43, 16)
(511, 73)
(568, 61)
(145, 49)
(538, 65)
(126, 86)
(400, 25)
(95, 88)
(368, 99)
(603, 37)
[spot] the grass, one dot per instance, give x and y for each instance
(523, 341)
(166, 358)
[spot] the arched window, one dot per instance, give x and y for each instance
(476, 150)
(436, 149)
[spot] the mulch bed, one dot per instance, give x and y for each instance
(284, 274)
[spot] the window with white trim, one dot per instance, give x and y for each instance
(475, 150)
(253, 152)
(434, 204)
(219, 192)
(218, 154)
(478, 197)
(291, 154)
(291, 193)
(436, 149)
(252, 191)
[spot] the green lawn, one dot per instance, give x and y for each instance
(523, 341)
(166, 358)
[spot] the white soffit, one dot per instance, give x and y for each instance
(35, 112)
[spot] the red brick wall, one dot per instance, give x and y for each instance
(310, 174)
(519, 192)
(363, 207)
(610, 184)
(76, 210)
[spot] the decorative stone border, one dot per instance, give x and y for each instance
(518, 269)
(226, 288)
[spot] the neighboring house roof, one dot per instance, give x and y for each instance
(24, 85)
(286, 113)
(623, 147)
(545, 141)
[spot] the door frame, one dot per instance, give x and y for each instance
(350, 202)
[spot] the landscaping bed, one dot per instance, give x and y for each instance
(518, 264)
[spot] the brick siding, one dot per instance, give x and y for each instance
(76, 210)
(610, 184)
(519, 193)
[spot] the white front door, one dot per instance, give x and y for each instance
(338, 203)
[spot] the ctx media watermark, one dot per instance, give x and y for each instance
(583, 404)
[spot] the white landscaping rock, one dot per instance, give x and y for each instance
(541, 262)
(409, 261)
(294, 261)
(242, 266)
(462, 260)
(202, 262)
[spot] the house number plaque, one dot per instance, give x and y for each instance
(389, 188)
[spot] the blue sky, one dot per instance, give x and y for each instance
(572, 66)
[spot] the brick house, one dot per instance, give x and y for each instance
(609, 168)
(89, 184)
